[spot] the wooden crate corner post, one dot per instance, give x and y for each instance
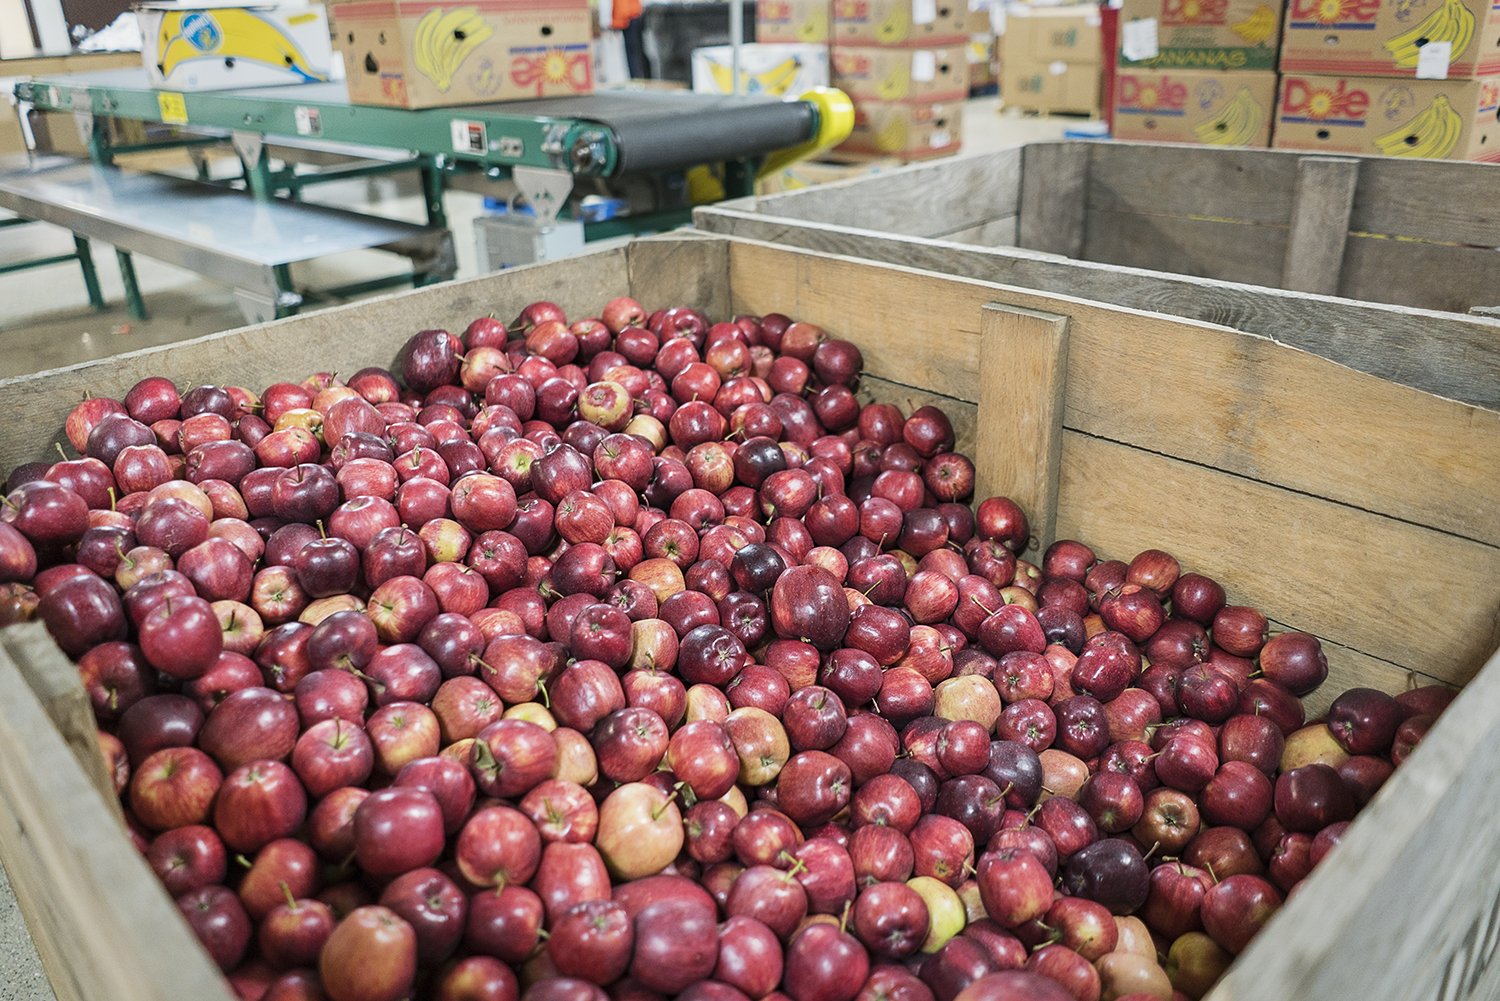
(102, 923)
(1322, 204)
(1023, 365)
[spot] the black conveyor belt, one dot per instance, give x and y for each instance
(664, 129)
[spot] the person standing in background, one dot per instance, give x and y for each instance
(626, 18)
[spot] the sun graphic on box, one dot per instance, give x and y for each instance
(1328, 104)
(553, 67)
(1333, 11)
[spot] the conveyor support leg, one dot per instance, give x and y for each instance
(133, 298)
(90, 275)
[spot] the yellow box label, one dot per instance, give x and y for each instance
(173, 108)
(301, 18)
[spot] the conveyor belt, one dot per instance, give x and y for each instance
(666, 129)
(646, 130)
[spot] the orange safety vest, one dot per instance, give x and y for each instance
(624, 12)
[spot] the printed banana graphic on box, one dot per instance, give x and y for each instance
(1259, 26)
(212, 48)
(775, 81)
(1452, 22)
(1431, 135)
(1237, 125)
(444, 40)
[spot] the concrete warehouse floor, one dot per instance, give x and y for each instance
(46, 323)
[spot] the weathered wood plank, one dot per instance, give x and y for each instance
(1224, 249)
(1405, 908)
(1235, 402)
(1452, 356)
(1245, 185)
(1430, 275)
(1023, 369)
(1054, 183)
(1321, 203)
(1252, 407)
(1316, 565)
(925, 199)
(102, 924)
(1446, 201)
(341, 339)
(992, 233)
(54, 680)
(913, 328)
(669, 270)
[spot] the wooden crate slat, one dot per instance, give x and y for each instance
(1024, 370)
(920, 200)
(54, 680)
(1454, 203)
(1430, 275)
(1321, 203)
(1054, 185)
(1322, 567)
(1226, 250)
(1252, 407)
(990, 233)
(103, 926)
(1253, 186)
(1451, 356)
(915, 329)
(669, 271)
(1405, 907)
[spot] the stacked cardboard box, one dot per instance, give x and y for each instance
(904, 64)
(1197, 71)
(1052, 59)
(1413, 78)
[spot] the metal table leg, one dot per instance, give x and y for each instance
(90, 275)
(432, 190)
(132, 290)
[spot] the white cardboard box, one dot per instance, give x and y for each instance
(225, 46)
(782, 69)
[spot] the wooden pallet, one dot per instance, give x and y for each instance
(1359, 509)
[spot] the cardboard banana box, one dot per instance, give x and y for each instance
(804, 21)
(1207, 108)
(189, 48)
(1392, 38)
(877, 74)
(780, 69)
(906, 130)
(908, 24)
(420, 55)
(1200, 34)
(1427, 119)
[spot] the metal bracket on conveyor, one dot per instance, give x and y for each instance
(546, 191)
(83, 115)
(249, 145)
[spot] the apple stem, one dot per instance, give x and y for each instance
(975, 599)
(546, 699)
(291, 901)
(844, 917)
(1210, 867)
(58, 446)
(322, 533)
(242, 860)
(1154, 846)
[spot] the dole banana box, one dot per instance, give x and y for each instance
(1202, 34)
(908, 130)
(804, 21)
(1388, 38)
(910, 24)
(1206, 108)
(875, 74)
(780, 69)
(1430, 119)
(187, 48)
(420, 55)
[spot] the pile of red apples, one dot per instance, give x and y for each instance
(634, 658)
